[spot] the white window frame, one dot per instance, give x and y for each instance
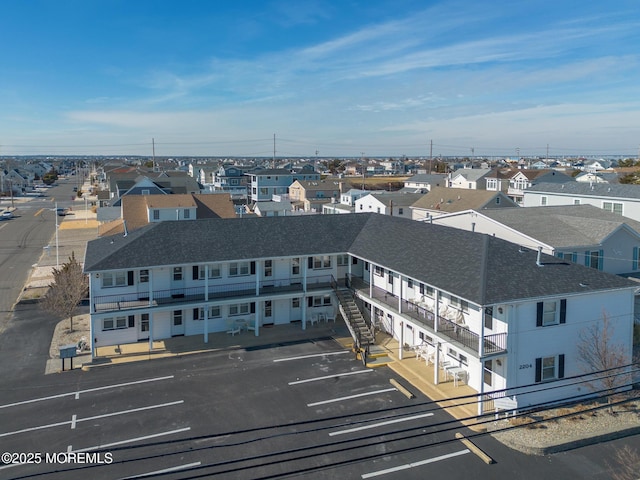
(239, 269)
(239, 309)
(321, 262)
(550, 313)
(549, 370)
(114, 279)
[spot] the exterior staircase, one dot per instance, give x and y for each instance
(361, 332)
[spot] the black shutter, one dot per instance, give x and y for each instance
(561, 366)
(310, 262)
(539, 314)
(253, 307)
(132, 321)
(253, 268)
(195, 272)
(310, 301)
(563, 310)
(354, 260)
(196, 313)
(130, 277)
(538, 369)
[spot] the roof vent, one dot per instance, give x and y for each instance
(584, 284)
(539, 259)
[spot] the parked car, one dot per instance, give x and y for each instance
(6, 215)
(61, 211)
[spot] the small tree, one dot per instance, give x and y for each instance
(68, 288)
(603, 357)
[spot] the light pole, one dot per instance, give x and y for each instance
(57, 254)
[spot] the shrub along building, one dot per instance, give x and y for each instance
(503, 316)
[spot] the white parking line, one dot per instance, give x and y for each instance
(131, 440)
(340, 399)
(107, 445)
(77, 394)
(330, 376)
(311, 356)
(415, 464)
(165, 470)
(78, 420)
(380, 424)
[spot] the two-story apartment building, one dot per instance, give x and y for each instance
(505, 316)
(312, 195)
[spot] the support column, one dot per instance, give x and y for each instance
(401, 347)
(400, 294)
(258, 313)
(206, 305)
(304, 313)
(436, 309)
(436, 364)
(150, 329)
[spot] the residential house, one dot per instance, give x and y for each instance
(395, 204)
(504, 317)
(347, 202)
(597, 177)
(580, 233)
(233, 179)
(469, 178)
(523, 179)
(617, 198)
(136, 211)
(423, 182)
(268, 182)
(273, 209)
(311, 195)
(441, 200)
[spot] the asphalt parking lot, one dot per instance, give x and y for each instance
(306, 409)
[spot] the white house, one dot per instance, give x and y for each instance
(387, 203)
(469, 178)
(617, 198)
(425, 182)
(579, 233)
(496, 315)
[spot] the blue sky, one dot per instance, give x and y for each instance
(341, 77)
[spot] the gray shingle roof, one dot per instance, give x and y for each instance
(479, 268)
(563, 226)
(596, 190)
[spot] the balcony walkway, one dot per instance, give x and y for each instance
(457, 334)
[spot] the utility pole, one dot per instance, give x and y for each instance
(274, 150)
(153, 153)
(430, 157)
(363, 168)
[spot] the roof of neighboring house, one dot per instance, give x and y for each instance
(398, 199)
(451, 200)
(135, 207)
(563, 226)
(312, 185)
(427, 178)
(273, 206)
(623, 191)
(270, 171)
(471, 174)
(479, 268)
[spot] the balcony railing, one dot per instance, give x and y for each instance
(135, 300)
(455, 332)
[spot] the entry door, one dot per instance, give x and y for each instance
(267, 317)
(177, 282)
(177, 323)
(143, 328)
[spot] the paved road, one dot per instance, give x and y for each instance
(22, 240)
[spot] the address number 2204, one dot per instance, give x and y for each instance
(525, 365)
